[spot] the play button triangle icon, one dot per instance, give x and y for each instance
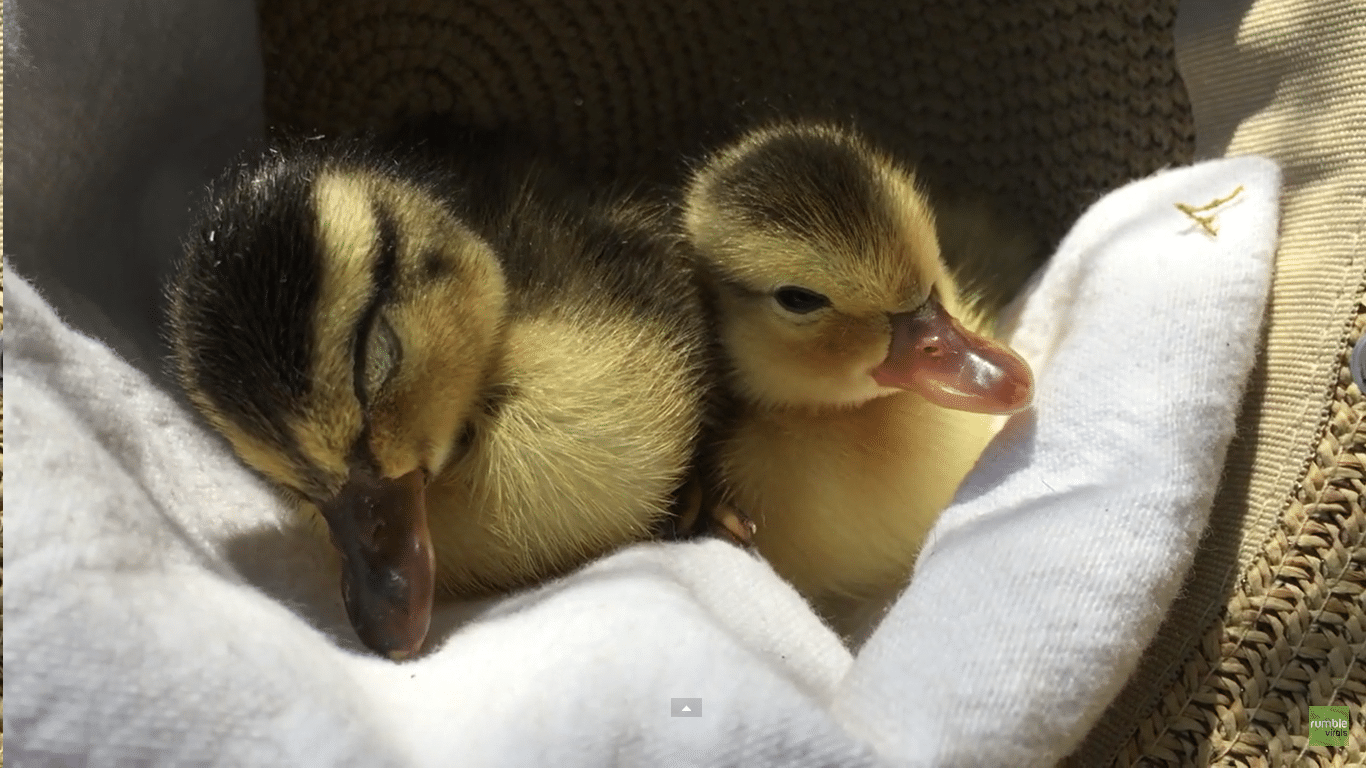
(685, 707)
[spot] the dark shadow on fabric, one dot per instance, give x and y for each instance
(298, 569)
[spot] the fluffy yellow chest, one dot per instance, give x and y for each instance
(597, 431)
(843, 498)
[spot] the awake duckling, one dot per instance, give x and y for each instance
(476, 377)
(861, 373)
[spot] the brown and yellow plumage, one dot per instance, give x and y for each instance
(447, 328)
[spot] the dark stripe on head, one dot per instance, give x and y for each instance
(817, 186)
(245, 294)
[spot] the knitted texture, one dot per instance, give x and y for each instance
(1044, 105)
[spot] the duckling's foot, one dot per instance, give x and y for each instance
(730, 523)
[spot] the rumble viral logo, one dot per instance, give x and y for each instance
(1328, 726)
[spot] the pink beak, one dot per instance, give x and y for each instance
(933, 355)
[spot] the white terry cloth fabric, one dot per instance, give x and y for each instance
(161, 609)
(1044, 581)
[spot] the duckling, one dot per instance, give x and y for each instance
(864, 378)
(470, 374)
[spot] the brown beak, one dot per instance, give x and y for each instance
(933, 355)
(380, 527)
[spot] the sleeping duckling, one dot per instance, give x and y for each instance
(861, 372)
(472, 376)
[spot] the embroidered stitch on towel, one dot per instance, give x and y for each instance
(1204, 215)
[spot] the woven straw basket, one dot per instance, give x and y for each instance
(1046, 105)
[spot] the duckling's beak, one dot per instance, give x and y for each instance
(933, 355)
(380, 527)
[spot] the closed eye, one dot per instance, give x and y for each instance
(377, 349)
(380, 356)
(465, 441)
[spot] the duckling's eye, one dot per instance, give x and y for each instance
(465, 441)
(382, 353)
(800, 300)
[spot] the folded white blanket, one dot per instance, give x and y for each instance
(159, 604)
(1050, 573)
(161, 608)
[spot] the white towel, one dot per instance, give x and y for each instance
(1043, 582)
(162, 610)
